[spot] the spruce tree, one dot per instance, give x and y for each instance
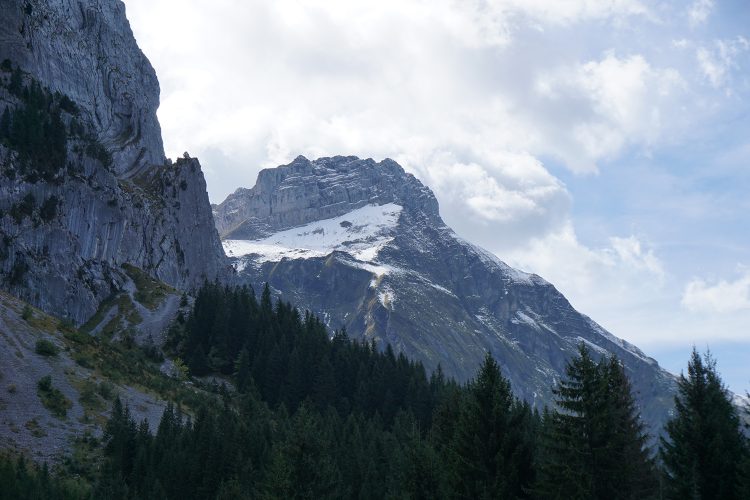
(485, 448)
(703, 449)
(594, 445)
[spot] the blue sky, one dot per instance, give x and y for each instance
(603, 144)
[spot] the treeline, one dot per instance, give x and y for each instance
(319, 418)
(288, 358)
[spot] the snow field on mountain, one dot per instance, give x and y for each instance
(362, 233)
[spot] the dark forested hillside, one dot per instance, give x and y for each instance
(302, 415)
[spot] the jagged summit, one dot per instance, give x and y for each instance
(361, 244)
(305, 191)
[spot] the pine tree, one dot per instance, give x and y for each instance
(485, 448)
(5, 124)
(703, 450)
(594, 445)
(15, 86)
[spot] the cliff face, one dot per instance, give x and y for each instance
(85, 50)
(369, 251)
(90, 190)
(304, 191)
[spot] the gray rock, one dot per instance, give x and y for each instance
(440, 300)
(85, 49)
(305, 191)
(140, 209)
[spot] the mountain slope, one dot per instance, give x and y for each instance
(362, 244)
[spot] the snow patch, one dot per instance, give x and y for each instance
(441, 288)
(361, 233)
(593, 346)
(386, 297)
(627, 346)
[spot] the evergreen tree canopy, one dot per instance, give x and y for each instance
(594, 446)
(704, 447)
(490, 457)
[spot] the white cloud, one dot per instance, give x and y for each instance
(619, 101)
(719, 60)
(573, 11)
(699, 11)
(590, 277)
(718, 297)
(489, 102)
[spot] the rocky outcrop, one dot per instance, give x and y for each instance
(425, 291)
(85, 50)
(304, 191)
(94, 191)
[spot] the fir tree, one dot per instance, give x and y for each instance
(594, 445)
(485, 452)
(703, 448)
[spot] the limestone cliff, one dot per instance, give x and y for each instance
(84, 184)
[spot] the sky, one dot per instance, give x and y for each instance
(602, 144)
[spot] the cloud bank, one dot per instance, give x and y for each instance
(524, 117)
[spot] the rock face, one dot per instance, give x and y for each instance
(304, 191)
(69, 224)
(362, 245)
(85, 49)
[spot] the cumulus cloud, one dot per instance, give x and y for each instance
(416, 80)
(718, 297)
(620, 101)
(590, 276)
(718, 60)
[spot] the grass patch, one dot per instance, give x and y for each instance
(77, 336)
(37, 319)
(125, 311)
(98, 316)
(45, 348)
(52, 399)
(35, 429)
(84, 359)
(149, 291)
(91, 400)
(116, 363)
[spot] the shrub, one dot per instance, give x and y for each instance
(52, 399)
(66, 325)
(27, 313)
(45, 383)
(24, 208)
(45, 348)
(106, 390)
(18, 272)
(85, 360)
(48, 210)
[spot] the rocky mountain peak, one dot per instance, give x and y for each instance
(304, 191)
(361, 244)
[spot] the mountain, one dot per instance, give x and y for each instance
(361, 243)
(86, 188)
